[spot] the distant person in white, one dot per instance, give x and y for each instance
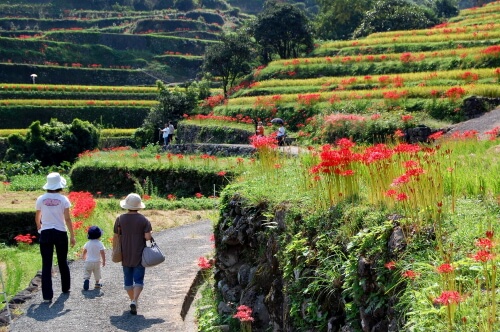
(165, 132)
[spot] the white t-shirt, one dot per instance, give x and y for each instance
(165, 132)
(171, 129)
(94, 248)
(281, 131)
(52, 207)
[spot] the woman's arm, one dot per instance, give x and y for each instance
(69, 225)
(38, 220)
(147, 236)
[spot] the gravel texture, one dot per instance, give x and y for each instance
(107, 309)
(481, 124)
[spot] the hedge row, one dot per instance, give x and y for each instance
(21, 73)
(402, 47)
(187, 133)
(146, 25)
(76, 95)
(6, 23)
(156, 44)
(116, 180)
(373, 68)
(15, 117)
(13, 223)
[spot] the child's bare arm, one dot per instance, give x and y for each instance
(84, 255)
(103, 257)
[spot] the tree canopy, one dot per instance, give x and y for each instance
(393, 15)
(230, 60)
(282, 29)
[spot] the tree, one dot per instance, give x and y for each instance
(282, 29)
(230, 59)
(446, 8)
(53, 142)
(393, 15)
(173, 103)
(335, 22)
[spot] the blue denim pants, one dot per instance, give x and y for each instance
(133, 276)
(49, 239)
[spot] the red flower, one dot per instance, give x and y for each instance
(406, 118)
(198, 195)
(221, 173)
(171, 197)
(244, 314)
(390, 265)
(28, 238)
(436, 135)
(483, 256)
(204, 263)
(399, 133)
(146, 197)
(445, 268)
(410, 274)
(448, 297)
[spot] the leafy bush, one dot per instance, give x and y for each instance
(53, 143)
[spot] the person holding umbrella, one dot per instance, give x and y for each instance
(281, 134)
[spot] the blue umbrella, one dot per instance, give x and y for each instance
(277, 121)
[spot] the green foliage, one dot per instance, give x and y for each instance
(393, 15)
(446, 8)
(53, 142)
(282, 29)
(231, 59)
(173, 104)
(335, 22)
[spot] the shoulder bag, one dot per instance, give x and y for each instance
(116, 253)
(152, 256)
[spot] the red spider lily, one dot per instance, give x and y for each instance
(435, 136)
(449, 297)
(445, 268)
(171, 197)
(28, 238)
(244, 314)
(400, 180)
(146, 197)
(158, 157)
(483, 256)
(77, 225)
(493, 134)
(221, 173)
(410, 164)
(401, 197)
(277, 166)
(485, 243)
(390, 265)
(399, 133)
(469, 76)
(264, 142)
(410, 274)
(308, 99)
(391, 193)
(198, 195)
(455, 92)
(490, 234)
(83, 204)
(406, 148)
(376, 152)
(204, 263)
(406, 118)
(375, 116)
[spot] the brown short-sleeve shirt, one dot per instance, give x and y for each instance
(133, 226)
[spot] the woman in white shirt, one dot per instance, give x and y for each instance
(53, 222)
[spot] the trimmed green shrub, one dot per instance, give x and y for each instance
(53, 143)
(14, 117)
(188, 133)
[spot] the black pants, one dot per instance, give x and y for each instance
(49, 239)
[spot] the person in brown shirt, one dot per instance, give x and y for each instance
(135, 230)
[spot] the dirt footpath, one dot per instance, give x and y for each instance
(160, 304)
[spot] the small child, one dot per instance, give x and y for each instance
(91, 251)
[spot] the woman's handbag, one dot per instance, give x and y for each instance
(116, 253)
(152, 256)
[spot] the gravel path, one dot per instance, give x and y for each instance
(160, 303)
(481, 124)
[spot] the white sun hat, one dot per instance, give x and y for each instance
(132, 202)
(54, 181)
